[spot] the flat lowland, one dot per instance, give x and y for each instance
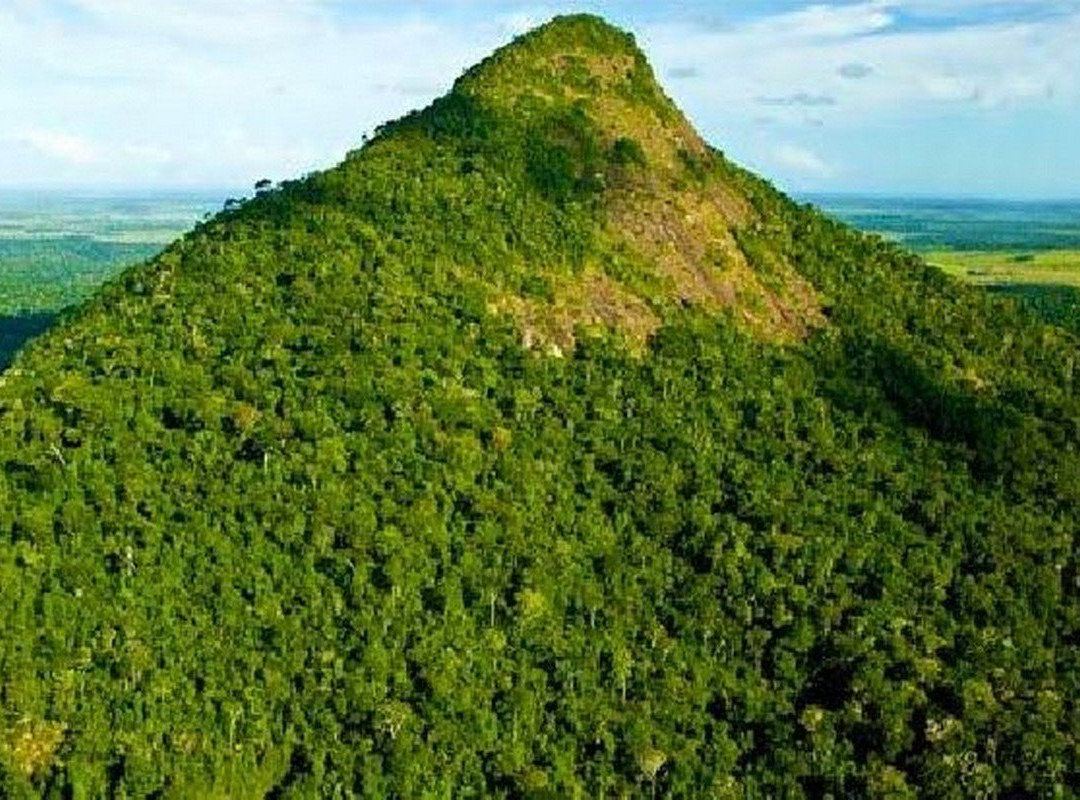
(1010, 267)
(57, 248)
(1027, 250)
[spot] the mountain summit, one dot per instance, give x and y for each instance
(574, 109)
(536, 450)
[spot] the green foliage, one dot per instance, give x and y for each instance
(42, 272)
(565, 157)
(48, 274)
(627, 152)
(290, 511)
(1055, 304)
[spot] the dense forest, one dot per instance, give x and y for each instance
(39, 276)
(537, 450)
(47, 273)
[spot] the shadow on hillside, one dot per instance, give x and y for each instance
(1054, 304)
(1003, 440)
(16, 330)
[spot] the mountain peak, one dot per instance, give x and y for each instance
(577, 59)
(586, 31)
(573, 54)
(584, 98)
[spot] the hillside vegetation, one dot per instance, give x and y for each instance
(56, 250)
(539, 451)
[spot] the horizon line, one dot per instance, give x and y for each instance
(226, 191)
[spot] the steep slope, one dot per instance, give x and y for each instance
(537, 450)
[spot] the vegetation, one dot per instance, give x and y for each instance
(1024, 250)
(38, 277)
(958, 225)
(1046, 282)
(43, 270)
(48, 274)
(508, 460)
(998, 267)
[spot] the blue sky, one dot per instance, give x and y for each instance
(927, 97)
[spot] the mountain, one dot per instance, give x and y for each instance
(537, 450)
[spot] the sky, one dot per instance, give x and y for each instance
(956, 98)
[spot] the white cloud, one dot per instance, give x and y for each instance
(157, 92)
(805, 53)
(58, 146)
(950, 8)
(231, 24)
(952, 76)
(802, 161)
(521, 22)
(149, 155)
(824, 21)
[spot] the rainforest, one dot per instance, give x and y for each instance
(539, 450)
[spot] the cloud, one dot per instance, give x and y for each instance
(520, 22)
(683, 73)
(136, 92)
(918, 70)
(983, 10)
(58, 146)
(855, 70)
(802, 161)
(914, 82)
(799, 99)
(232, 24)
(149, 155)
(827, 21)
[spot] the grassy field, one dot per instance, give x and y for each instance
(1005, 267)
(1047, 282)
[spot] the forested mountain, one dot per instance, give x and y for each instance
(537, 450)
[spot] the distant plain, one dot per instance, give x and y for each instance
(1026, 250)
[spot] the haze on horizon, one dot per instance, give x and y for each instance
(919, 97)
